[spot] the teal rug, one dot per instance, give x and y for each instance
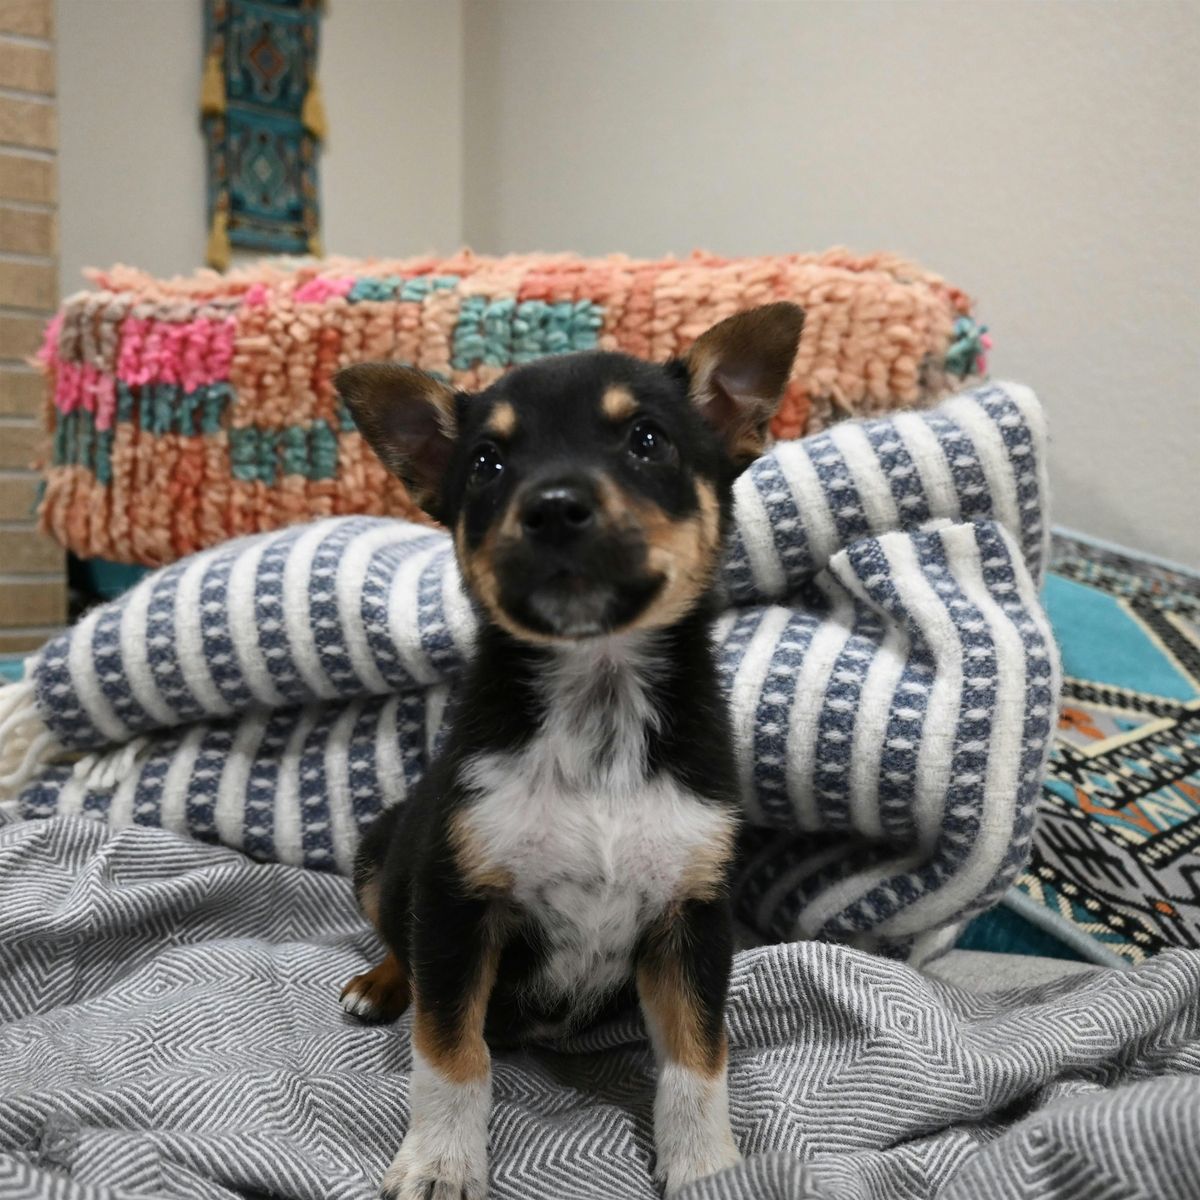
(1115, 871)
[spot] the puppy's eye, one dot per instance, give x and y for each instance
(648, 442)
(486, 465)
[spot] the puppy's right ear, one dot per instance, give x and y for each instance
(409, 420)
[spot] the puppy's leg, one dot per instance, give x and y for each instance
(682, 976)
(382, 993)
(454, 955)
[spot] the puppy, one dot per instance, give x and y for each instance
(569, 848)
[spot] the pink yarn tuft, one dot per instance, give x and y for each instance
(317, 291)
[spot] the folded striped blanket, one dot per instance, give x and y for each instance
(892, 677)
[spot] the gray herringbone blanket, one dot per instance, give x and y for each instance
(169, 1027)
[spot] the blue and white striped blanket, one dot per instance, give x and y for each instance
(892, 676)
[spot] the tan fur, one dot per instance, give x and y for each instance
(460, 543)
(384, 987)
(704, 876)
(472, 860)
(488, 591)
(746, 429)
(749, 440)
(618, 403)
(480, 574)
(455, 1048)
(686, 553)
(443, 398)
(614, 504)
(739, 369)
(368, 900)
(674, 1011)
(373, 391)
(503, 420)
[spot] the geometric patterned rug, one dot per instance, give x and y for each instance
(1115, 870)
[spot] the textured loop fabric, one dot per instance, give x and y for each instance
(188, 411)
(169, 1027)
(892, 679)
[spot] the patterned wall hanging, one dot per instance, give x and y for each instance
(263, 119)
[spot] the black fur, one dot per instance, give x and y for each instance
(426, 905)
(559, 506)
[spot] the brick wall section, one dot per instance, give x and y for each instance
(32, 584)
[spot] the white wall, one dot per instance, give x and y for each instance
(132, 155)
(1046, 157)
(391, 175)
(131, 158)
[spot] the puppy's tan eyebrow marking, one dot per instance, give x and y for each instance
(618, 403)
(503, 420)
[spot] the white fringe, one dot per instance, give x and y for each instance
(26, 744)
(107, 768)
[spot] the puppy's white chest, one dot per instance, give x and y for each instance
(592, 847)
(548, 840)
(593, 868)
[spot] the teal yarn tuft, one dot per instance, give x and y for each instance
(323, 451)
(967, 353)
(293, 450)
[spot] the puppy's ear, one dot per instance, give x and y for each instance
(738, 370)
(408, 418)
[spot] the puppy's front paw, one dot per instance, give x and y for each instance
(678, 1172)
(436, 1169)
(381, 994)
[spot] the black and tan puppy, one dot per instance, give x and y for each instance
(570, 844)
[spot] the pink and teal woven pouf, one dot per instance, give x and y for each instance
(188, 411)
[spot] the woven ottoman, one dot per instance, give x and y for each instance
(189, 411)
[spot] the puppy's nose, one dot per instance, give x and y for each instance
(558, 514)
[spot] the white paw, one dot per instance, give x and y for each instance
(377, 995)
(436, 1169)
(691, 1127)
(679, 1172)
(358, 1005)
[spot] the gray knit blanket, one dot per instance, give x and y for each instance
(892, 677)
(169, 1030)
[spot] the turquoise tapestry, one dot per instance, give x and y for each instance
(263, 121)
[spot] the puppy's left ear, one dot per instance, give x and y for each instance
(410, 420)
(738, 371)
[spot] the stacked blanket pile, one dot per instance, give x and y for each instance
(892, 677)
